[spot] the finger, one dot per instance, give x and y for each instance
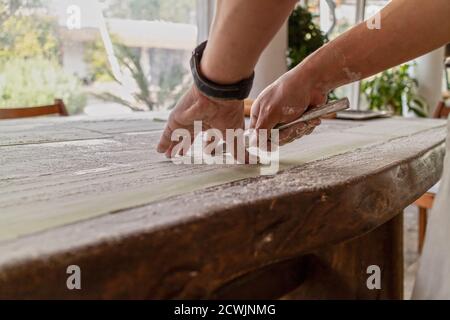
(291, 113)
(314, 122)
(184, 150)
(309, 131)
(165, 140)
(261, 139)
(268, 118)
(178, 147)
(213, 145)
(239, 152)
(319, 99)
(312, 125)
(294, 132)
(266, 112)
(254, 113)
(183, 115)
(166, 137)
(297, 131)
(169, 150)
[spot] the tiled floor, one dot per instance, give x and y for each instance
(410, 248)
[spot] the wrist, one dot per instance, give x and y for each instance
(223, 72)
(311, 79)
(233, 91)
(329, 67)
(207, 100)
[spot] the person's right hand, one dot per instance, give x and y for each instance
(286, 100)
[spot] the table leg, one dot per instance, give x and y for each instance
(422, 227)
(341, 271)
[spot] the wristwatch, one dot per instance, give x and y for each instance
(235, 91)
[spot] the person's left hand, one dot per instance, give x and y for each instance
(194, 106)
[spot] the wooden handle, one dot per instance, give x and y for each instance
(318, 112)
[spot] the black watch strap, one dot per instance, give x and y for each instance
(235, 91)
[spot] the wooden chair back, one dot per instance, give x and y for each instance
(442, 111)
(57, 108)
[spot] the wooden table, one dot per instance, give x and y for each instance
(92, 192)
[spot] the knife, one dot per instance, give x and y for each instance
(317, 112)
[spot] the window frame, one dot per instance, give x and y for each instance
(324, 11)
(205, 16)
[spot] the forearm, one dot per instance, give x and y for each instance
(241, 31)
(409, 28)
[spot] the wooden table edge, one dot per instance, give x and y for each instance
(105, 260)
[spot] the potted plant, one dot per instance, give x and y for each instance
(394, 90)
(305, 36)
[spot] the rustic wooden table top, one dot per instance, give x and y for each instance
(94, 193)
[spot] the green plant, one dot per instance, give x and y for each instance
(129, 59)
(97, 62)
(162, 93)
(24, 35)
(168, 10)
(37, 81)
(9, 8)
(305, 36)
(393, 88)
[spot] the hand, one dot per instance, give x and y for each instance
(194, 106)
(284, 101)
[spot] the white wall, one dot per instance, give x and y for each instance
(205, 16)
(272, 63)
(429, 73)
(73, 58)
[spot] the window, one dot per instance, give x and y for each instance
(374, 6)
(100, 56)
(156, 37)
(107, 56)
(336, 17)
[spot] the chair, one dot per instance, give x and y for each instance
(57, 108)
(425, 202)
(442, 111)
